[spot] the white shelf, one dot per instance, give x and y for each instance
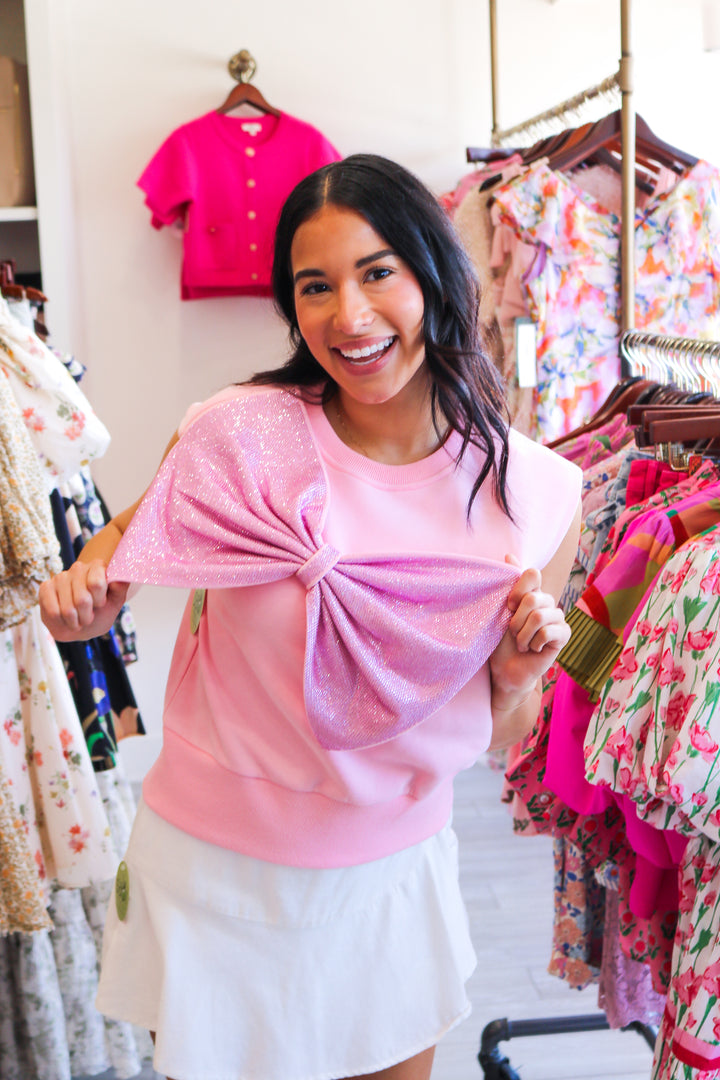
(18, 213)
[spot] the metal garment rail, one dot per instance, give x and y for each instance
(624, 79)
(690, 363)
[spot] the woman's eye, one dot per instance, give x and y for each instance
(313, 288)
(378, 273)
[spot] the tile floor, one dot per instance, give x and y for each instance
(507, 883)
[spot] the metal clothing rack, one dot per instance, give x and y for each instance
(623, 80)
(493, 1064)
(497, 1067)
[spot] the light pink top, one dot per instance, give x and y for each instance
(247, 761)
(227, 178)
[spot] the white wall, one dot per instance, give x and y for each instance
(406, 78)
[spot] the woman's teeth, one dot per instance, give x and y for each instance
(369, 353)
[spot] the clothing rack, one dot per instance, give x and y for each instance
(694, 365)
(494, 1066)
(622, 79)
(534, 127)
(497, 1067)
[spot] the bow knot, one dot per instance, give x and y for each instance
(318, 565)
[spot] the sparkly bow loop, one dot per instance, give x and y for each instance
(389, 639)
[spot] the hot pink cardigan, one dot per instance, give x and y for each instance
(227, 177)
(337, 681)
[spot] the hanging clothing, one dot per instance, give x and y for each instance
(29, 551)
(573, 288)
(656, 740)
(61, 423)
(22, 905)
(599, 827)
(226, 178)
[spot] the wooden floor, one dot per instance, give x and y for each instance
(507, 883)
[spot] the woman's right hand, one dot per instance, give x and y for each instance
(80, 603)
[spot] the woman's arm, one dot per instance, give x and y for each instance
(536, 633)
(79, 603)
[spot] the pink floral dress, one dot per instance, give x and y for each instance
(655, 737)
(574, 295)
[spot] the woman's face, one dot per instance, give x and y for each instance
(359, 306)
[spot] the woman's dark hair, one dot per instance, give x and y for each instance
(466, 391)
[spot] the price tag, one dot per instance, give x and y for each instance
(196, 610)
(525, 352)
(122, 890)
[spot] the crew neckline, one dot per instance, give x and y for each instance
(344, 457)
(230, 128)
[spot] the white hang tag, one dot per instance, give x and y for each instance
(525, 352)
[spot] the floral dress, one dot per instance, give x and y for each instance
(600, 836)
(62, 425)
(29, 551)
(574, 293)
(655, 737)
(45, 758)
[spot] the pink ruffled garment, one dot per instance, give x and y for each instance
(657, 740)
(613, 601)
(602, 836)
(588, 446)
(389, 639)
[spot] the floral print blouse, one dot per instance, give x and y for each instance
(574, 293)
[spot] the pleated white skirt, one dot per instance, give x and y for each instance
(252, 971)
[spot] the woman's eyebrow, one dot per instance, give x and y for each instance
(308, 273)
(366, 259)
(372, 258)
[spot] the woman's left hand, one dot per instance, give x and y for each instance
(535, 635)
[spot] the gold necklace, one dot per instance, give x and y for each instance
(351, 439)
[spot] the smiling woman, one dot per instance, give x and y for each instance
(375, 581)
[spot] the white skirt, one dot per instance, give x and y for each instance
(247, 970)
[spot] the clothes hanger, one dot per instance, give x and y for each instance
(624, 394)
(242, 67)
(553, 144)
(689, 430)
(607, 131)
(644, 418)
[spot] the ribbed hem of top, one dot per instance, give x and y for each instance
(591, 652)
(257, 817)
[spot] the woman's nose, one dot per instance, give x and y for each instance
(352, 312)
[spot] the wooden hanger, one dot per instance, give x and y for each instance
(606, 132)
(642, 418)
(618, 401)
(689, 430)
(242, 67)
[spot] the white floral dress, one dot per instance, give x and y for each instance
(63, 427)
(46, 760)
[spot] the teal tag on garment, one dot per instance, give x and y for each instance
(196, 610)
